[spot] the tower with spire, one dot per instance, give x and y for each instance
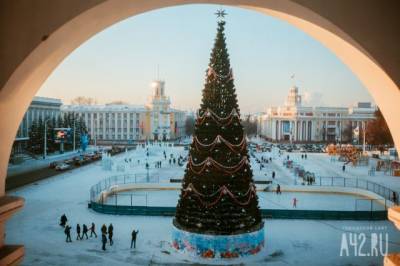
(160, 111)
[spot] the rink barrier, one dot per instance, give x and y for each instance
(265, 213)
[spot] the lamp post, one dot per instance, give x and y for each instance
(74, 135)
(45, 138)
(363, 136)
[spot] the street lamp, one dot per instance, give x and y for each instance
(45, 138)
(74, 135)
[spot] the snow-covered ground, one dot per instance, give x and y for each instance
(288, 242)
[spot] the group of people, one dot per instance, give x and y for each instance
(105, 231)
(304, 156)
(85, 229)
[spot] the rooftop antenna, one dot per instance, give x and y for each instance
(292, 77)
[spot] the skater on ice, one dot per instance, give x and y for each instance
(295, 200)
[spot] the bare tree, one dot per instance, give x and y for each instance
(82, 100)
(117, 102)
(377, 131)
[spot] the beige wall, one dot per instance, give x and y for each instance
(36, 35)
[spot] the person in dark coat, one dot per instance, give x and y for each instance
(344, 168)
(92, 230)
(278, 189)
(110, 234)
(273, 174)
(78, 232)
(67, 231)
(63, 220)
(103, 241)
(104, 229)
(134, 235)
(84, 231)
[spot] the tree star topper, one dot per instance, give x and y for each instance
(221, 13)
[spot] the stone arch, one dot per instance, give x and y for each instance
(35, 43)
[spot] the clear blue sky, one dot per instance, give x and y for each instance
(120, 62)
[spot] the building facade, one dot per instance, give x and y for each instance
(40, 108)
(126, 123)
(297, 123)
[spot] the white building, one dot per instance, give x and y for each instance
(40, 108)
(124, 123)
(297, 123)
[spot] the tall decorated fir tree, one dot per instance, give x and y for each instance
(218, 196)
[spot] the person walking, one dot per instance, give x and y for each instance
(273, 174)
(103, 241)
(394, 197)
(63, 220)
(84, 231)
(67, 232)
(295, 200)
(278, 189)
(104, 229)
(78, 232)
(134, 235)
(110, 234)
(93, 230)
(344, 167)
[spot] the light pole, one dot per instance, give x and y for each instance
(363, 136)
(74, 136)
(45, 138)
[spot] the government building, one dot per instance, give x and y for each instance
(126, 123)
(294, 122)
(41, 108)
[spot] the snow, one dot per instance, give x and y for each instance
(288, 242)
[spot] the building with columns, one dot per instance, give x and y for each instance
(297, 123)
(41, 108)
(126, 123)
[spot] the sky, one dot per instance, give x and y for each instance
(120, 62)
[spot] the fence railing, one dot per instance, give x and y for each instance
(107, 183)
(383, 191)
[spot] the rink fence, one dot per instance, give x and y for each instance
(97, 202)
(265, 213)
(384, 192)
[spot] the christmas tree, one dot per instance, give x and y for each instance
(218, 195)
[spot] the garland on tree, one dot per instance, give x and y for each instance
(251, 192)
(219, 139)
